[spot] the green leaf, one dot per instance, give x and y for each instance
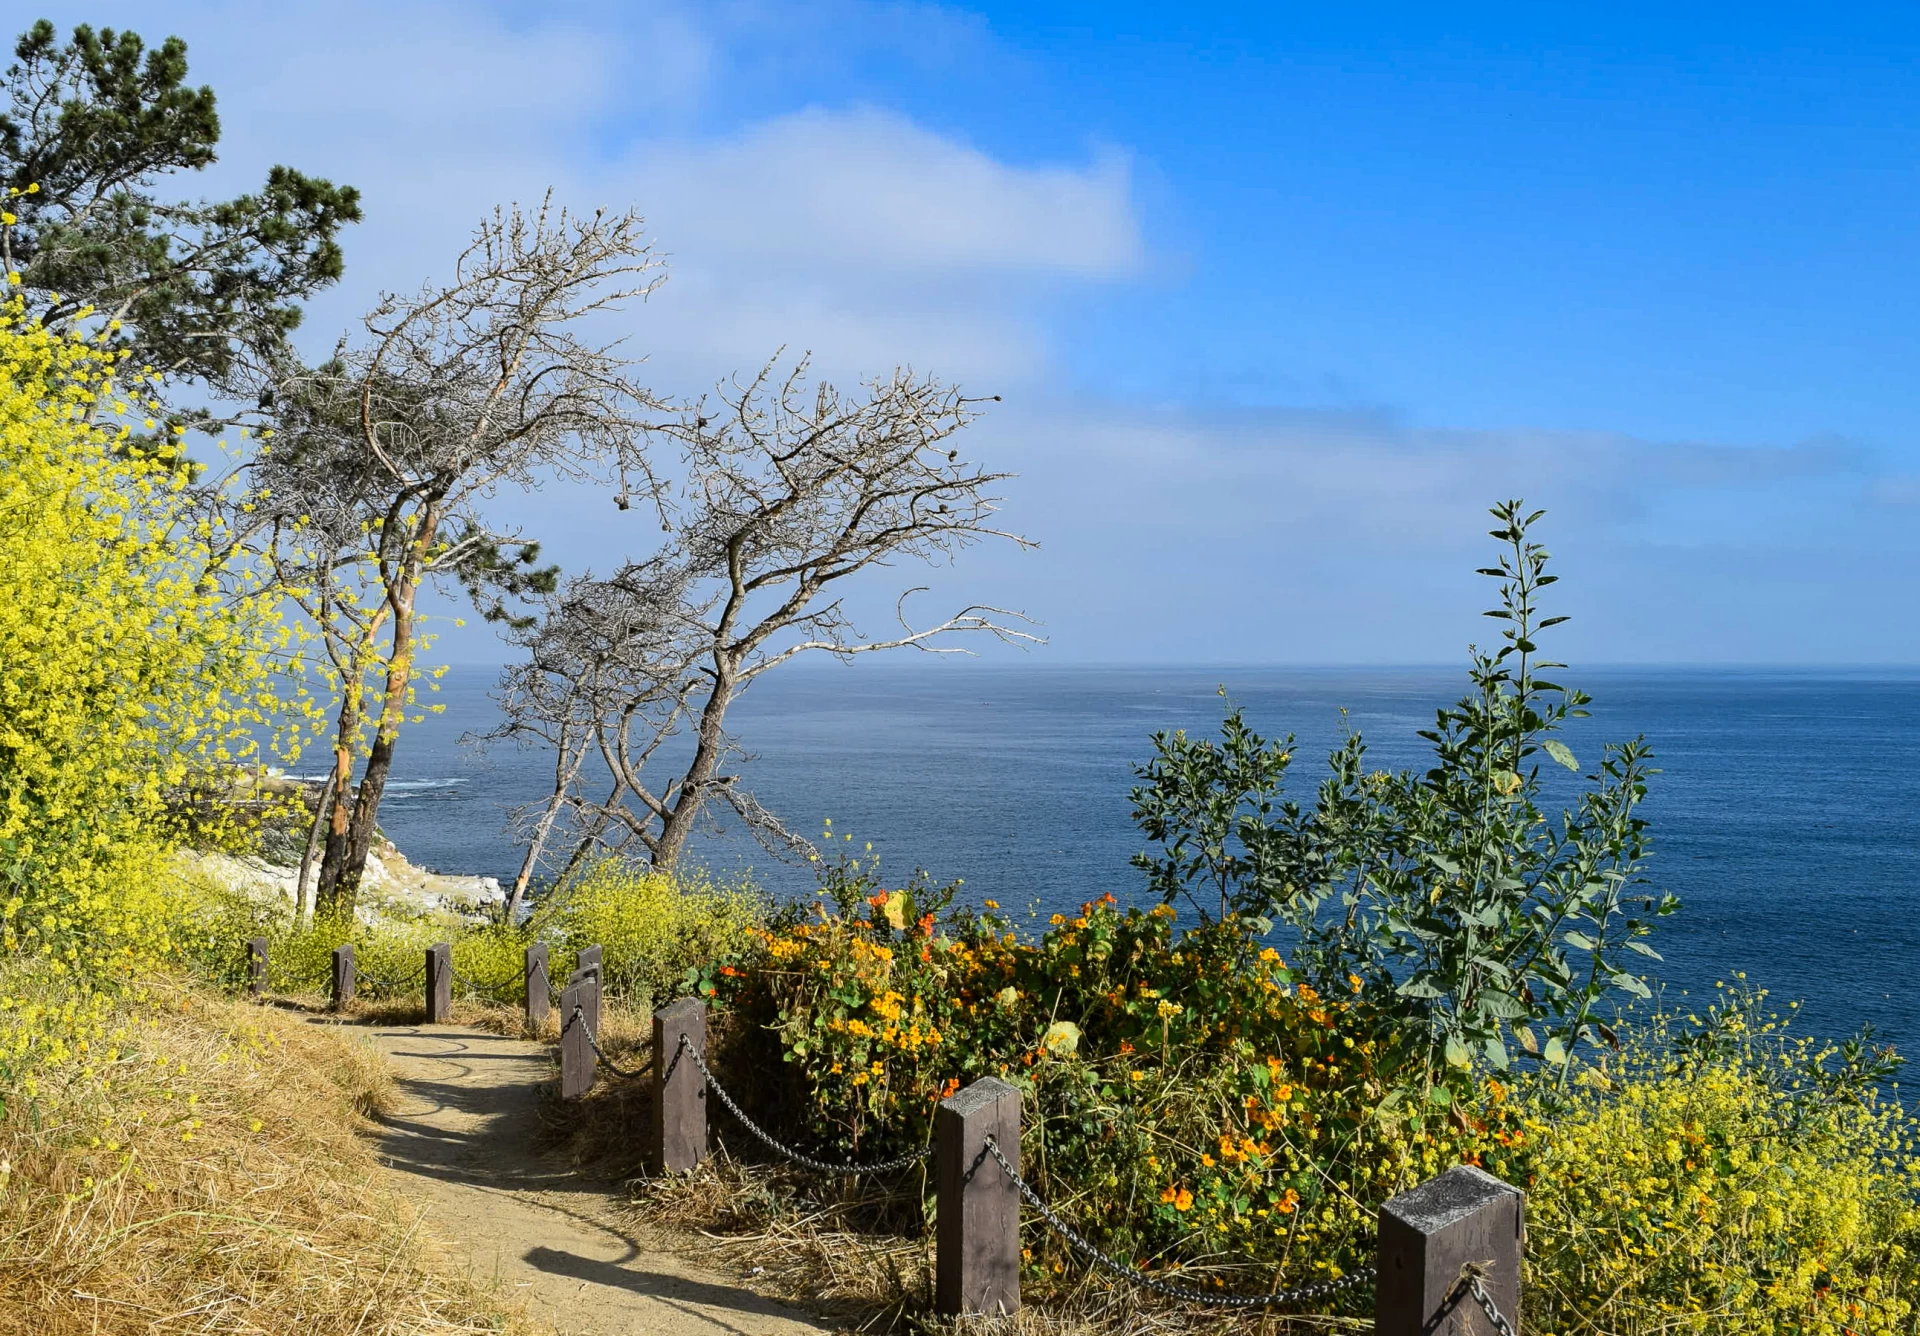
(1504, 1005)
(1496, 1053)
(1632, 984)
(1559, 752)
(1440, 1095)
(1457, 1053)
(1644, 950)
(1579, 939)
(1419, 986)
(1555, 1052)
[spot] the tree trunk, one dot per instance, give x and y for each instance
(304, 898)
(358, 838)
(564, 772)
(339, 785)
(592, 835)
(707, 751)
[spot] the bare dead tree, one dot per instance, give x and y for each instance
(785, 493)
(606, 646)
(387, 454)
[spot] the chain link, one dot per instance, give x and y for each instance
(1494, 1315)
(490, 990)
(1320, 1289)
(806, 1161)
(580, 1015)
(379, 982)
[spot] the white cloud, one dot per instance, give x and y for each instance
(857, 234)
(873, 196)
(1298, 537)
(871, 241)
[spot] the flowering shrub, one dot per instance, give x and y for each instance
(1185, 1099)
(1720, 1176)
(134, 661)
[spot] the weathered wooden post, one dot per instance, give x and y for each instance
(1431, 1237)
(439, 983)
(586, 972)
(977, 1233)
(344, 976)
(679, 1090)
(257, 967)
(576, 1054)
(537, 985)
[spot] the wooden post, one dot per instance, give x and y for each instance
(439, 983)
(538, 1008)
(1465, 1216)
(977, 1231)
(257, 966)
(586, 972)
(679, 1090)
(344, 976)
(576, 1054)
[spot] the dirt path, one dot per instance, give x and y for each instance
(461, 1131)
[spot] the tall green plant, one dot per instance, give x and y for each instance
(1474, 915)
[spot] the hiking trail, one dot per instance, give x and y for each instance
(462, 1131)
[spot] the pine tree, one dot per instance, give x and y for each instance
(203, 292)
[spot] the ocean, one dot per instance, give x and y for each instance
(1786, 816)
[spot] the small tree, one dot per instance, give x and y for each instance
(203, 292)
(786, 493)
(1469, 912)
(384, 457)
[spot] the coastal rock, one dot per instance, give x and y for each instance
(392, 888)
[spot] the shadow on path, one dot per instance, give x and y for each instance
(463, 1130)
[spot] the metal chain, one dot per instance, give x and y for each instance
(1485, 1300)
(806, 1161)
(379, 982)
(492, 990)
(1319, 1289)
(580, 1015)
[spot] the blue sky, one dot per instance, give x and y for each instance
(1279, 297)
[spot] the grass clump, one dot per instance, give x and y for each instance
(174, 1159)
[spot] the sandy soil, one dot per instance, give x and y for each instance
(461, 1133)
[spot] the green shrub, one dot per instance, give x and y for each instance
(653, 927)
(1492, 925)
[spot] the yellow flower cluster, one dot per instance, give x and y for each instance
(136, 659)
(1700, 1202)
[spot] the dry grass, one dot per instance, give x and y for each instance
(213, 1179)
(770, 1225)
